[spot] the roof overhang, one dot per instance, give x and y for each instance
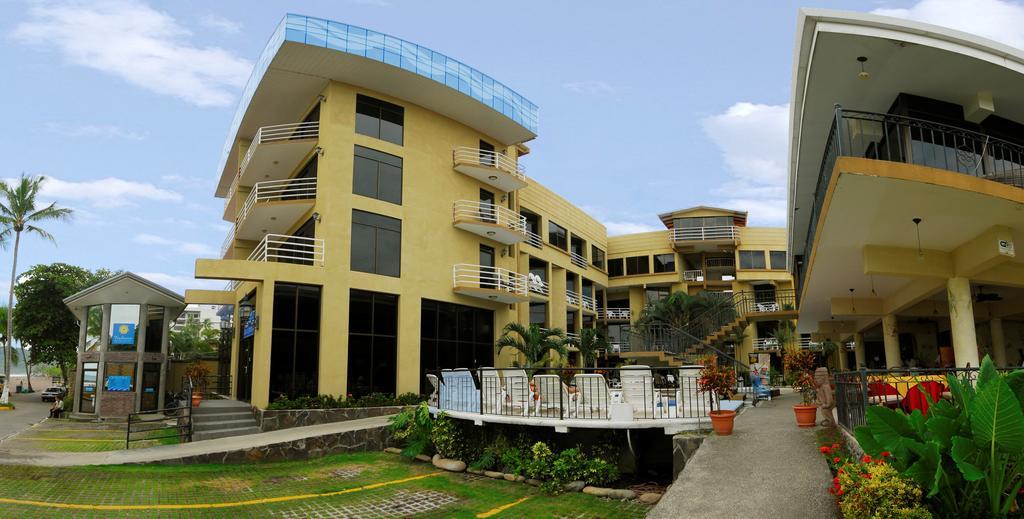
(903, 57)
(666, 218)
(126, 288)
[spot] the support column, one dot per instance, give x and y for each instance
(841, 356)
(140, 348)
(76, 388)
(858, 350)
(891, 338)
(961, 321)
(998, 341)
(262, 344)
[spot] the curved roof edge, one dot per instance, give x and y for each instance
(383, 48)
(170, 297)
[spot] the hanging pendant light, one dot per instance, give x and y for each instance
(917, 226)
(863, 75)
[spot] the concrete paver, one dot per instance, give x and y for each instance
(28, 409)
(768, 468)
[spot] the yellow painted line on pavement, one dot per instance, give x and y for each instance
(199, 506)
(502, 508)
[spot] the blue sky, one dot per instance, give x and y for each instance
(645, 106)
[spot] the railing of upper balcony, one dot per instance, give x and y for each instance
(289, 249)
(537, 285)
(725, 232)
(720, 262)
(478, 157)
(613, 313)
(534, 239)
(577, 259)
(279, 132)
(897, 138)
(589, 303)
(572, 297)
(486, 212)
(492, 278)
(693, 275)
(771, 343)
(229, 240)
(278, 191)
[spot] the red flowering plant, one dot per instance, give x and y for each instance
(716, 380)
(800, 366)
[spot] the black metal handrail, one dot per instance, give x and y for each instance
(898, 138)
(141, 427)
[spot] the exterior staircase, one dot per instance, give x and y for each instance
(222, 418)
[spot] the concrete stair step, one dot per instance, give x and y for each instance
(225, 415)
(223, 433)
(203, 409)
(222, 424)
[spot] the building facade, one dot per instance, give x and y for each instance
(384, 225)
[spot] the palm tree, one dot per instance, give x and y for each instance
(785, 336)
(533, 343)
(678, 309)
(18, 214)
(590, 340)
(196, 337)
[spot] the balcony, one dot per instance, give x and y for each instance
(583, 301)
(613, 314)
(491, 221)
(275, 206)
(282, 248)
(693, 276)
(766, 344)
(539, 289)
(578, 260)
(491, 168)
(229, 242)
(491, 283)
(704, 238)
(276, 150)
(534, 239)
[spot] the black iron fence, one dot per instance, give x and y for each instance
(172, 421)
(217, 384)
(618, 394)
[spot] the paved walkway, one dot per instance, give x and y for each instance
(28, 409)
(768, 468)
(173, 452)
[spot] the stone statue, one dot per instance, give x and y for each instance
(826, 395)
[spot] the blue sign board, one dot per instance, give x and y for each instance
(123, 333)
(250, 325)
(119, 383)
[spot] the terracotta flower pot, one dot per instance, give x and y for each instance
(806, 415)
(196, 398)
(722, 422)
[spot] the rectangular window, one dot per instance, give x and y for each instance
(752, 259)
(372, 343)
(119, 377)
(93, 328)
(88, 392)
(454, 336)
(596, 257)
(570, 321)
(778, 259)
(155, 328)
(124, 327)
(615, 268)
(654, 294)
(295, 341)
(377, 175)
(376, 244)
(637, 265)
(539, 314)
(664, 263)
(558, 236)
(379, 119)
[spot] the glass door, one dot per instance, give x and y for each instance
(488, 212)
(88, 392)
(488, 276)
(150, 386)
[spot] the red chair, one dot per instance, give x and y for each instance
(883, 393)
(918, 397)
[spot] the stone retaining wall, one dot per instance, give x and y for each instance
(684, 446)
(277, 419)
(369, 439)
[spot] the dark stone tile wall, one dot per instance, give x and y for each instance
(369, 439)
(684, 446)
(277, 419)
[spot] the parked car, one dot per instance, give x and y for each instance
(53, 393)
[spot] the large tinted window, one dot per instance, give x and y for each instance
(376, 243)
(664, 262)
(379, 119)
(455, 336)
(154, 328)
(377, 175)
(295, 341)
(637, 265)
(778, 259)
(596, 257)
(124, 327)
(539, 314)
(615, 267)
(558, 236)
(372, 343)
(702, 221)
(751, 259)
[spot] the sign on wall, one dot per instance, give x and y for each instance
(124, 333)
(250, 325)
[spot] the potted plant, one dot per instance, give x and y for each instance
(800, 366)
(197, 372)
(717, 381)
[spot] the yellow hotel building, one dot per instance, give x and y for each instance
(384, 225)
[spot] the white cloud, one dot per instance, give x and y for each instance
(139, 44)
(105, 192)
(220, 23)
(617, 228)
(105, 131)
(998, 20)
(592, 87)
(181, 283)
(752, 140)
(185, 247)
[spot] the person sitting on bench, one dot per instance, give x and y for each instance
(57, 408)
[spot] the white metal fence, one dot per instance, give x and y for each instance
(613, 313)
(693, 275)
(485, 212)
(726, 232)
(465, 275)
(478, 157)
(578, 260)
(289, 249)
(278, 190)
(279, 132)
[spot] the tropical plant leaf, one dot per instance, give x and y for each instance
(928, 462)
(1016, 382)
(917, 422)
(987, 372)
(963, 393)
(867, 440)
(942, 429)
(964, 452)
(890, 427)
(996, 418)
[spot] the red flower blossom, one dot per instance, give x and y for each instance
(885, 454)
(835, 446)
(835, 480)
(825, 450)
(839, 492)
(835, 460)
(866, 459)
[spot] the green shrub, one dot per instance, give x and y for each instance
(539, 465)
(514, 461)
(412, 427)
(331, 402)
(487, 461)
(453, 441)
(877, 491)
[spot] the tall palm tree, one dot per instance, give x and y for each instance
(590, 340)
(678, 309)
(533, 343)
(18, 214)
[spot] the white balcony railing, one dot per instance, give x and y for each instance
(491, 278)
(589, 303)
(572, 297)
(613, 313)
(693, 275)
(485, 212)
(487, 158)
(766, 344)
(577, 260)
(725, 232)
(537, 284)
(534, 239)
(277, 191)
(289, 249)
(276, 133)
(229, 241)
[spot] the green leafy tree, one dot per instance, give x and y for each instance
(41, 318)
(589, 342)
(18, 214)
(196, 337)
(676, 310)
(534, 344)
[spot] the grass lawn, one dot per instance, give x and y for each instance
(70, 436)
(351, 485)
